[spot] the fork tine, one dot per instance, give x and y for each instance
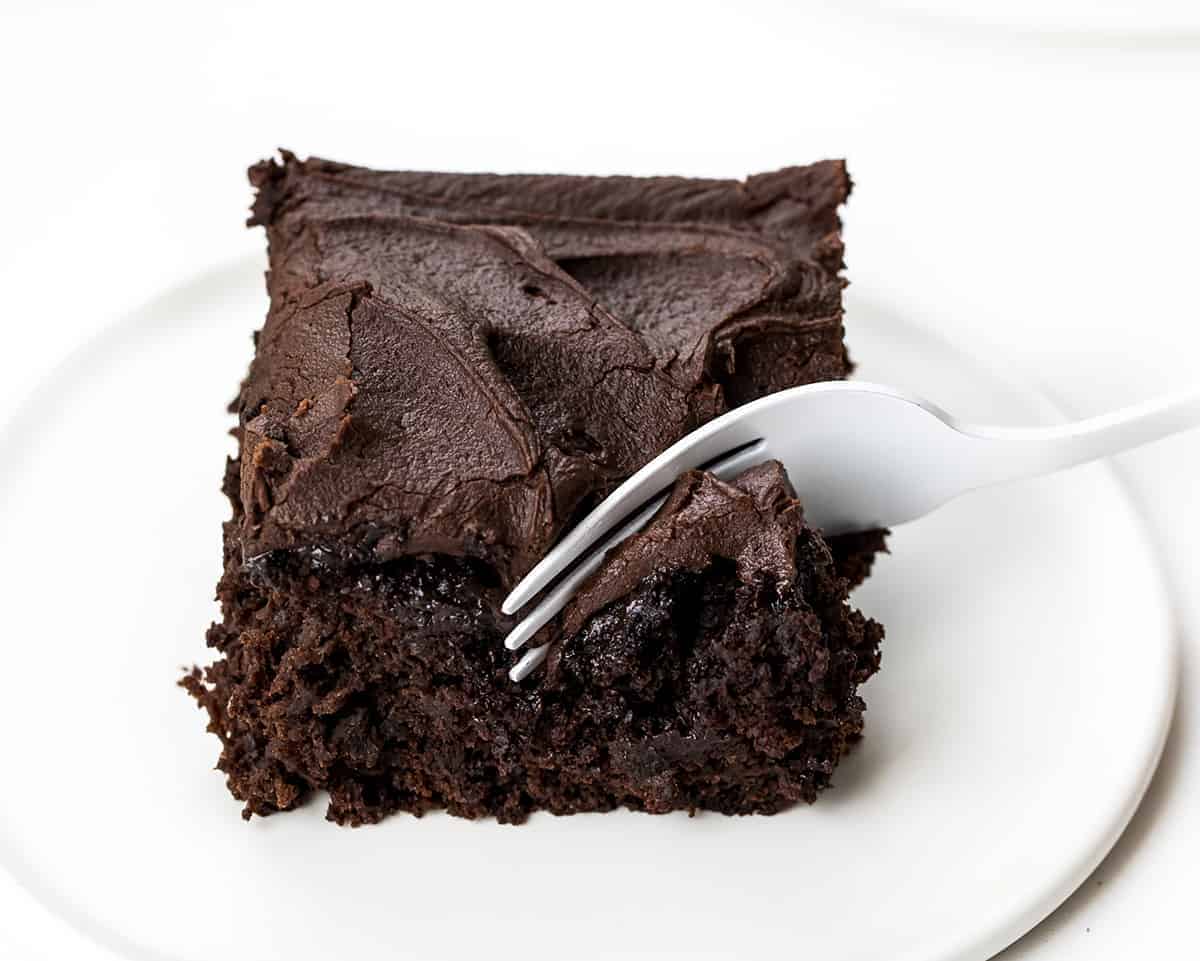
(565, 589)
(562, 592)
(529, 663)
(728, 467)
(697, 449)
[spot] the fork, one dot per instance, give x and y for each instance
(862, 456)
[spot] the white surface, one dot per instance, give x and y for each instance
(992, 738)
(1104, 21)
(1034, 192)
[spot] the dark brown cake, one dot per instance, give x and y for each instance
(453, 368)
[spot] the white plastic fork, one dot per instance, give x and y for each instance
(860, 456)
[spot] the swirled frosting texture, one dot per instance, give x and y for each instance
(462, 364)
(753, 522)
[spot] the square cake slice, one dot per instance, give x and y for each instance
(453, 369)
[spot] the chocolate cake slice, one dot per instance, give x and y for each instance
(452, 370)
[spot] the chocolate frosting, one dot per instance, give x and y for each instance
(753, 522)
(462, 364)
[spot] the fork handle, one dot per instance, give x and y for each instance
(1012, 453)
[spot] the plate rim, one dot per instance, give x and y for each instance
(988, 354)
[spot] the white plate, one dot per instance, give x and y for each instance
(1027, 684)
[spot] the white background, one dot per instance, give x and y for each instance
(1021, 184)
